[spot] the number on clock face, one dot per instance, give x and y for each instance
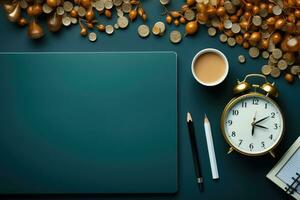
(253, 124)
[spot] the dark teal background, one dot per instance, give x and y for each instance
(240, 177)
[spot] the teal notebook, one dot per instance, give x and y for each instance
(88, 123)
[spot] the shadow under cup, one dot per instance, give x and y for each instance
(210, 67)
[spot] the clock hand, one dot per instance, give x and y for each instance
(254, 118)
(261, 120)
(260, 126)
(252, 124)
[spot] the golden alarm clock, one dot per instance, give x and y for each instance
(252, 123)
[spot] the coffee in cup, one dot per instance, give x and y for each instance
(210, 67)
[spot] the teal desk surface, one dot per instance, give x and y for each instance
(240, 177)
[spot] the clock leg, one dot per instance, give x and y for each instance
(230, 150)
(272, 154)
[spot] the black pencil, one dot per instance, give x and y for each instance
(194, 151)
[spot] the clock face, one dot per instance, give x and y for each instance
(253, 124)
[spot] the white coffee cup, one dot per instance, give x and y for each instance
(217, 52)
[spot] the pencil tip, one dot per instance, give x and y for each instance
(188, 117)
(205, 117)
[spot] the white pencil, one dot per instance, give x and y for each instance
(211, 149)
